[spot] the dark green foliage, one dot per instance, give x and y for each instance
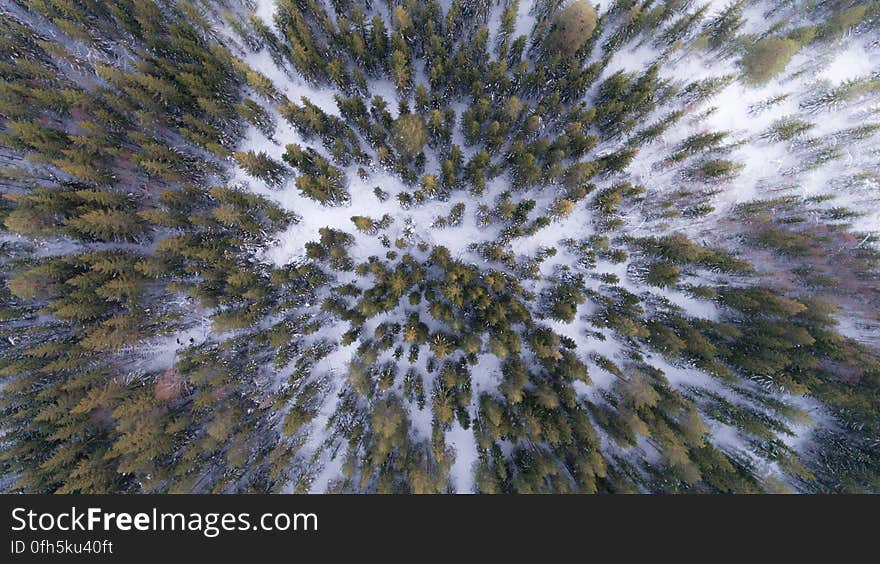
(319, 180)
(261, 166)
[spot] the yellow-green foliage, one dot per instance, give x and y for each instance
(409, 135)
(572, 28)
(767, 58)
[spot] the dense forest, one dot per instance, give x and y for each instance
(438, 246)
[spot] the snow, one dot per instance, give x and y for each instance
(291, 85)
(630, 60)
(265, 10)
(525, 21)
(465, 445)
(852, 62)
(162, 352)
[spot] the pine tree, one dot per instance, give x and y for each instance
(262, 166)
